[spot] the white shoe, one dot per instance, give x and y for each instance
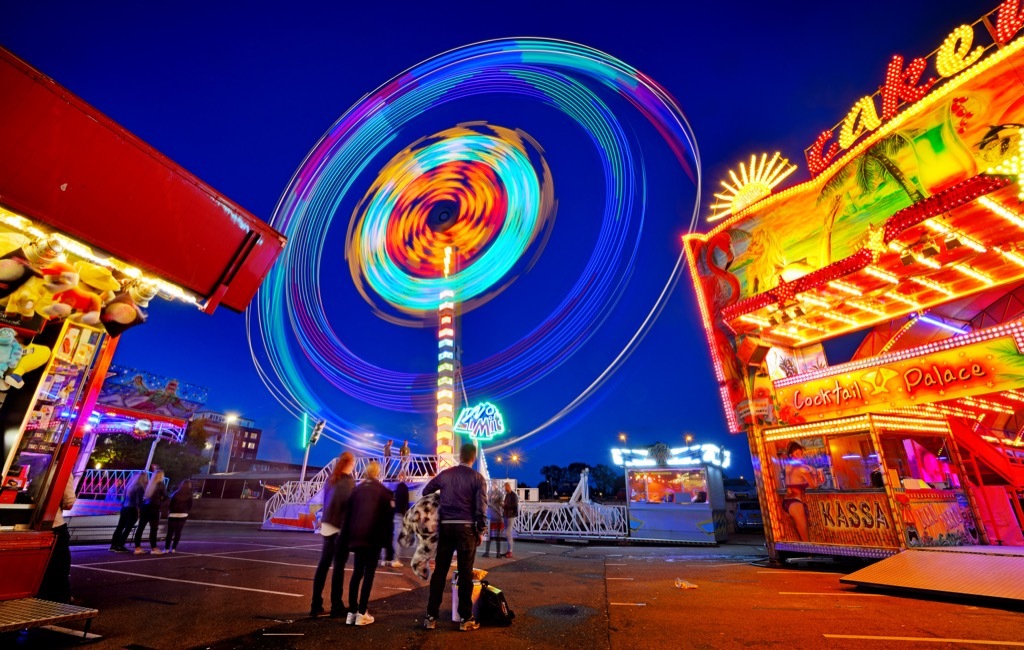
(156, 551)
(383, 563)
(364, 619)
(350, 619)
(396, 564)
(138, 550)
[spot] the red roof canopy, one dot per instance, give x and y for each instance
(66, 165)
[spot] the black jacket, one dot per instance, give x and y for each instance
(181, 500)
(401, 498)
(510, 505)
(336, 499)
(462, 496)
(156, 499)
(368, 523)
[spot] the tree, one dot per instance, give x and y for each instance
(602, 479)
(553, 474)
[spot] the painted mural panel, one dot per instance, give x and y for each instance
(143, 392)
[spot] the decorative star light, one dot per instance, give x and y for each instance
(751, 185)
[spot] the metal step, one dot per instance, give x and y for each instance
(988, 571)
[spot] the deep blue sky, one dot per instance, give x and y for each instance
(238, 93)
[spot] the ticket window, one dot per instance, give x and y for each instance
(919, 462)
(668, 486)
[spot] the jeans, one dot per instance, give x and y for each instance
(364, 570)
(509, 523)
(333, 550)
(129, 515)
(391, 552)
(149, 515)
(174, 527)
(461, 539)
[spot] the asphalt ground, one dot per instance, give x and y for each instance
(232, 586)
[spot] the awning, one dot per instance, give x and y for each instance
(68, 166)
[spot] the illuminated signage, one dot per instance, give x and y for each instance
(858, 519)
(905, 84)
(898, 381)
(703, 454)
(481, 422)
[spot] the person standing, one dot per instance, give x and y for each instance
(336, 500)
(56, 583)
(400, 506)
(494, 530)
(131, 506)
(149, 513)
(463, 517)
(181, 503)
(403, 461)
(368, 530)
(387, 456)
(509, 512)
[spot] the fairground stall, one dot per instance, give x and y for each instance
(907, 245)
(675, 495)
(94, 224)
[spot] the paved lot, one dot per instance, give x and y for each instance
(236, 587)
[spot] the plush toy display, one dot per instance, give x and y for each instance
(126, 309)
(96, 286)
(36, 296)
(35, 356)
(10, 352)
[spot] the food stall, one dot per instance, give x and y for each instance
(94, 224)
(675, 494)
(866, 325)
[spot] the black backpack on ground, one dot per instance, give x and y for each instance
(494, 609)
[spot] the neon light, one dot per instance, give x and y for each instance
(481, 422)
(751, 186)
(939, 324)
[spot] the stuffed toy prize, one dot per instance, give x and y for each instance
(96, 286)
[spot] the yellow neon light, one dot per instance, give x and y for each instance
(751, 186)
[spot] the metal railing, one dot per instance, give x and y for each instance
(107, 484)
(578, 517)
(415, 468)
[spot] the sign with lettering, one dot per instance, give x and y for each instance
(851, 519)
(974, 368)
(936, 518)
(481, 422)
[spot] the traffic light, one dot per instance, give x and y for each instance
(317, 430)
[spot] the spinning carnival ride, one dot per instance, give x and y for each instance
(450, 221)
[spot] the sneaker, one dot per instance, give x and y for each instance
(138, 550)
(121, 549)
(350, 619)
(396, 564)
(157, 551)
(382, 563)
(112, 549)
(429, 622)
(364, 619)
(487, 555)
(316, 612)
(170, 550)
(508, 555)
(468, 625)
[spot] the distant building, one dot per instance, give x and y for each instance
(228, 437)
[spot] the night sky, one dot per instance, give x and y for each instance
(237, 93)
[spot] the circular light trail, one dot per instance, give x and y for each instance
(483, 188)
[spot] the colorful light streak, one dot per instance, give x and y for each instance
(288, 326)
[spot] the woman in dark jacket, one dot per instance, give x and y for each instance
(181, 503)
(336, 495)
(154, 497)
(368, 530)
(130, 508)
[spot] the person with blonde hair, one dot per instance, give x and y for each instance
(368, 530)
(149, 514)
(332, 523)
(130, 508)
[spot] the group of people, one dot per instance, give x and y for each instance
(403, 464)
(143, 503)
(362, 520)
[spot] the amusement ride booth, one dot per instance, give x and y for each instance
(94, 224)
(907, 242)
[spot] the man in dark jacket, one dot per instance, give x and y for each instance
(339, 489)
(463, 516)
(509, 512)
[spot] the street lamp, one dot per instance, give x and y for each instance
(688, 437)
(622, 437)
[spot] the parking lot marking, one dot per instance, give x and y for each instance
(400, 588)
(618, 578)
(827, 593)
(251, 559)
(630, 604)
(615, 564)
(190, 582)
(922, 639)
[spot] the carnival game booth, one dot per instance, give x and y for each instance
(675, 495)
(94, 224)
(909, 240)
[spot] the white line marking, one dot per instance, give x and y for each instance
(399, 588)
(630, 604)
(387, 573)
(922, 639)
(827, 593)
(618, 578)
(284, 634)
(614, 564)
(619, 555)
(251, 559)
(190, 582)
(70, 632)
(561, 546)
(536, 552)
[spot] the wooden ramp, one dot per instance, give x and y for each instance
(987, 571)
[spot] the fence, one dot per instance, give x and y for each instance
(107, 484)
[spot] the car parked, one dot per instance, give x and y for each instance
(748, 516)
